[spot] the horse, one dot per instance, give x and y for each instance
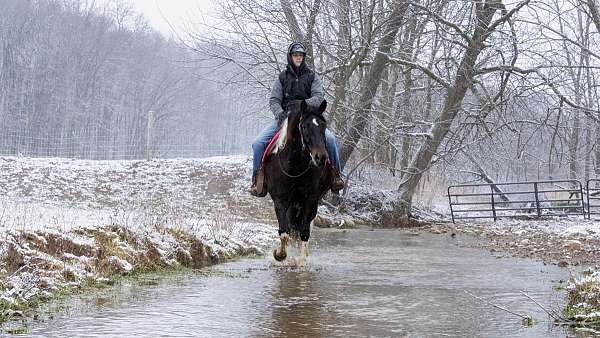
(297, 176)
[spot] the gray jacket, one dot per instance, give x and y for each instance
(276, 98)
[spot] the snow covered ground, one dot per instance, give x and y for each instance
(65, 223)
(202, 195)
(574, 226)
(62, 193)
(46, 193)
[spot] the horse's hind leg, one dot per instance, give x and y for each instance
(280, 211)
(303, 253)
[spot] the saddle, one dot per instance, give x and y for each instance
(277, 142)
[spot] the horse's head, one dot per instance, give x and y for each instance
(311, 126)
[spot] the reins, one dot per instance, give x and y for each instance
(288, 174)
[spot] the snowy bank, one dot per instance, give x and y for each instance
(583, 304)
(35, 264)
(67, 223)
(555, 241)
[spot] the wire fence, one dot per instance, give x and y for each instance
(96, 144)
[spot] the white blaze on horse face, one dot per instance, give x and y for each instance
(315, 121)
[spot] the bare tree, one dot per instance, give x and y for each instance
(483, 27)
(373, 80)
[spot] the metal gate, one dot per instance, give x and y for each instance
(518, 199)
(593, 196)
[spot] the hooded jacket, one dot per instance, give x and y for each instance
(295, 83)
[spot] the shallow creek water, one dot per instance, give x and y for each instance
(383, 283)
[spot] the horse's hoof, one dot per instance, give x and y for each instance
(278, 257)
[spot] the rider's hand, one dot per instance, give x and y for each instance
(281, 116)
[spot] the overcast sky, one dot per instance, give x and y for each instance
(156, 11)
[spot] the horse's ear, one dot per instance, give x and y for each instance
(303, 106)
(322, 107)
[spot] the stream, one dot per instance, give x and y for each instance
(359, 283)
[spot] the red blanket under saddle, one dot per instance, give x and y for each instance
(269, 147)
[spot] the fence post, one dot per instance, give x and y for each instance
(493, 203)
(587, 192)
(150, 135)
(450, 202)
(537, 200)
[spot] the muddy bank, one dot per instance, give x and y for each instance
(529, 239)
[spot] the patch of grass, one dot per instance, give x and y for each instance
(18, 310)
(529, 321)
(17, 330)
(101, 284)
(69, 275)
(118, 241)
(558, 285)
(570, 312)
(583, 297)
(4, 308)
(108, 247)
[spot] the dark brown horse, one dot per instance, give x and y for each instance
(297, 177)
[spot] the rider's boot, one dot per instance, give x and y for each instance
(259, 188)
(337, 183)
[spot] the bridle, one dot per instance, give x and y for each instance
(304, 149)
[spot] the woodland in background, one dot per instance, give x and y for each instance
(77, 79)
(485, 91)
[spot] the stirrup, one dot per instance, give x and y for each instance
(337, 183)
(259, 188)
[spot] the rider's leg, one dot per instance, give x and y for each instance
(337, 183)
(259, 145)
(258, 148)
(332, 149)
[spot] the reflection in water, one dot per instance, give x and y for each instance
(296, 307)
(359, 283)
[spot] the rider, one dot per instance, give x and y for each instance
(296, 82)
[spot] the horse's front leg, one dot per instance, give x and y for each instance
(309, 213)
(281, 211)
(281, 254)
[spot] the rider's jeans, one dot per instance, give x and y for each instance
(263, 139)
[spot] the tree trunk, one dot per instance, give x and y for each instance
(594, 13)
(452, 104)
(341, 76)
(296, 32)
(574, 146)
(372, 81)
(406, 117)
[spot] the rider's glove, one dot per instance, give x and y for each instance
(281, 116)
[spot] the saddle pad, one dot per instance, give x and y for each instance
(277, 143)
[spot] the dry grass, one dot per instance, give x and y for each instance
(152, 235)
(583, 297)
